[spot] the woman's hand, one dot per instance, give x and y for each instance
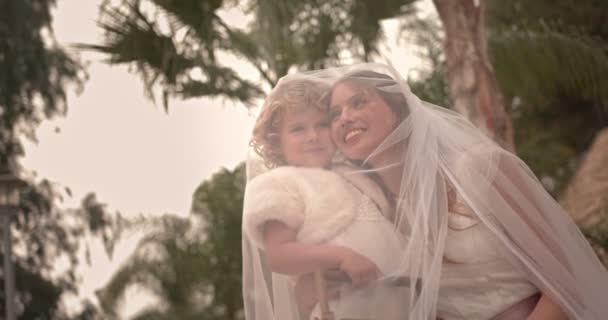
(547, 309)
(360, 269)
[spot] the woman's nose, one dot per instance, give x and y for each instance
(346, 115)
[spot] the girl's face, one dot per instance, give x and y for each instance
(360, 120)
(305, 138)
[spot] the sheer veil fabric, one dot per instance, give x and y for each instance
(437, 152)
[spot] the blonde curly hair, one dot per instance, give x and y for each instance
(289, 94)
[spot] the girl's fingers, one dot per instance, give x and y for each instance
(333, 293)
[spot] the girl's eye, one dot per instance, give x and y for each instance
(297, 129)
(324, 124)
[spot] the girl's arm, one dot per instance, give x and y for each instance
(286, 255)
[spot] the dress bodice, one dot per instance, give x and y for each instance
(373, 236)
(479, 280)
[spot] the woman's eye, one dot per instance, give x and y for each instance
(297, 129)
(333, 115)
(359, 102)
(324, 124)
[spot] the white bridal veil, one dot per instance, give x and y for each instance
(439, 154)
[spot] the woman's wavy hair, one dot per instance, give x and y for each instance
(375, 81)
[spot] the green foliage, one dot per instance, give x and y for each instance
(42, 303)
(43, 235)
(598, 237)
(35, 73)
(175, 45)
(551, 60)
(167, 264)
(191, 265)
(218, 204)
(425, 36)
(586, 16)
(177, 53)
(312, 34)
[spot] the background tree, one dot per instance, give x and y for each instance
(550, 66)
(192, 265)
(473, 86)
(551, 61)
(177, 46)
(34, 75)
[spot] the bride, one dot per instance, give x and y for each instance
(482, 238)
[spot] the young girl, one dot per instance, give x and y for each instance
(299, 217)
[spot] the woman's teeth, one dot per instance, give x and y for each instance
(352, 133)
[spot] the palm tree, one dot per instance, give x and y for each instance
(177, 46)
(550, 60)
(191, 265)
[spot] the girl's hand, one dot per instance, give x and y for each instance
(359, 268)
(306, 292)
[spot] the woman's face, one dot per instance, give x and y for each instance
(360, 120)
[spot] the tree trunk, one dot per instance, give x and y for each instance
(473, 86)
(586, 197)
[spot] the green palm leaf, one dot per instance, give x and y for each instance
(541, 65)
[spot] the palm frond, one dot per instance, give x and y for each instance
(152, 313)
(165, 59)
(541, 65)
(136, 272)
(197, 16)
(171, 262)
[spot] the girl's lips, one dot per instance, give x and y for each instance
(315, 150)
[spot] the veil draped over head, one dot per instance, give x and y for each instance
(438, 153)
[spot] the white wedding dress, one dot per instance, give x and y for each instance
(330, 207)
(478, 282)
(370, 235)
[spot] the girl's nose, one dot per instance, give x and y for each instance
(312, 134)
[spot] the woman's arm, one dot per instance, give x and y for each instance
(546, 309)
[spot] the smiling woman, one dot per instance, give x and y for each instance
(361, 116)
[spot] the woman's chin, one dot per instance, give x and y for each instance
(355, 155)
(357, 151)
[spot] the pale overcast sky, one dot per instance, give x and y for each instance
(118, 144)
(133, 155)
